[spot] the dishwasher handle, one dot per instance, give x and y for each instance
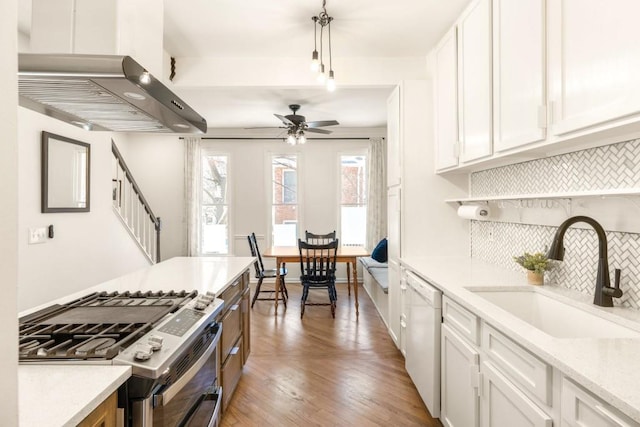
(432, 295)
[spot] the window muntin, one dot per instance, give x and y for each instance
(215, 205)
(353, 199)
(284, 211)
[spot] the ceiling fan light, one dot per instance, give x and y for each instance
(291, 139)
(301, 138)
(315, 63)
(331, 82)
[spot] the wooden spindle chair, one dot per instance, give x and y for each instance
(262, 273)
(318, 270)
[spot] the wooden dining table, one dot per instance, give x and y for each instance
(346, 254)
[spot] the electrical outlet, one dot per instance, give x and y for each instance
(37, 235)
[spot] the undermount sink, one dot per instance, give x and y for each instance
(552, 316)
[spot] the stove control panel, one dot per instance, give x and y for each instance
(153, 353)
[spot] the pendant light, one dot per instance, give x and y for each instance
(317, 60)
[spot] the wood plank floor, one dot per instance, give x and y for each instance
(324, 372)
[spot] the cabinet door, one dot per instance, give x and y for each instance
(394, 148)
(404, 313)
(446, 101)
(105, 415)
(394, 219)
(519, 113)
(394, 300)
(459, 406)
(474, 81)
(594, 62)
(581, 409)
(246, 325)
(503, 404)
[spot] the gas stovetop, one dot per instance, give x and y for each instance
(142, 329)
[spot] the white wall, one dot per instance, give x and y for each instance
(157, 165)
(429, 225)
(8, 214)
(88, 248)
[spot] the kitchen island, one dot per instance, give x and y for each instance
(56, 395)
(603, 368)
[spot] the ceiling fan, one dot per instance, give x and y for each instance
(296, 124)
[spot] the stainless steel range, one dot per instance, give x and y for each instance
(168, 338)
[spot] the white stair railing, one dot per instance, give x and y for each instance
(133, 210)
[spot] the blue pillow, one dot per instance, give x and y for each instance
(380, 251)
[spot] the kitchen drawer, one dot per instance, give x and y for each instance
(461, 320)
(581, 409)
(232, 292)
(531, 374)
(231, 329)
(231, 372)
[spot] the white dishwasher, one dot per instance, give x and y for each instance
(422, 359)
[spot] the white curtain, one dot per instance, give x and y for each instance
(192, 193)
(377, 192)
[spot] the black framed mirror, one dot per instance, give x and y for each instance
(66, 165)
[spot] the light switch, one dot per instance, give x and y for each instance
(37, 235)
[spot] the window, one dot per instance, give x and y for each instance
(215, 205)
(284, 203)
(353, 199)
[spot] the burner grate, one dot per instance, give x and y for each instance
(97, 326)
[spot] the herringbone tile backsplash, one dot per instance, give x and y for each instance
(613, 166)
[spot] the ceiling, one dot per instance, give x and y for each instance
(366, 30)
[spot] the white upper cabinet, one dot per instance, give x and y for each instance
(394, 145)
(519, 92)
(474, 82)
(446, 101)
(594, 62)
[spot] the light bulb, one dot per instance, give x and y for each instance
(145, 77)
(301, 138)
(315, 63)
(321, 77)
(291, 139)
(331, 82)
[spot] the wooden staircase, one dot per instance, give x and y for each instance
(133, 209)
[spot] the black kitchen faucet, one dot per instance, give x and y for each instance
(604, 292)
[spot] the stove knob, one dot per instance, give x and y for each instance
(210, 295)
(200, 305)
(155, 342)
(143, 352)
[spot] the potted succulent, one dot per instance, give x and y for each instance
(535, 264)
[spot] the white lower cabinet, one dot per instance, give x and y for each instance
(460, 373)
(504, 404)
(581, 409)
(490, 380)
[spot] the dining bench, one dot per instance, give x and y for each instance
(376, 283)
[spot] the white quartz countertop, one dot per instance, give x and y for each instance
(55, 396)
(61, 395)
(202, 274)
(608, 367)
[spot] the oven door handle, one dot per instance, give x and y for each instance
(168, 394)
(217, 396)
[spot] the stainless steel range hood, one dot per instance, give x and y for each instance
(102, 92)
